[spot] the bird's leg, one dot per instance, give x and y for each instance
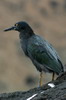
(53, 74)
(40, 81)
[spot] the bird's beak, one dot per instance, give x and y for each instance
(11, 28)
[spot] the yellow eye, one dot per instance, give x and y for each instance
(16, 25)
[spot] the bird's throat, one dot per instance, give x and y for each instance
(26, 35)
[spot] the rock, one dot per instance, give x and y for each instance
(54, 90)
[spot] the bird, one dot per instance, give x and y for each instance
(42, 54)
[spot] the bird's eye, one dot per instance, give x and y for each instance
(16, 25)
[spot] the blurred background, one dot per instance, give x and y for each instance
(48, 19)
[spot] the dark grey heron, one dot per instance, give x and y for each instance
(41, 52)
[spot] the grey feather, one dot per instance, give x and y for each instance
(36, 45)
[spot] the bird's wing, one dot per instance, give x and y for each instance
(52, 51)
(45, 55)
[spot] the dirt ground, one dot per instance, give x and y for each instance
(48, 19)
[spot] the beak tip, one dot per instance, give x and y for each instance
(4, 30)
(9, 29)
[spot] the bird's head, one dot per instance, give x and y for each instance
(22, 27)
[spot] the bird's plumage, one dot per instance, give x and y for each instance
(40, 51)
(44, 55)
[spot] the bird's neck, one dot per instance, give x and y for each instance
(26, 35)
(24, 41)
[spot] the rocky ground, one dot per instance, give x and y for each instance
(54, 90)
